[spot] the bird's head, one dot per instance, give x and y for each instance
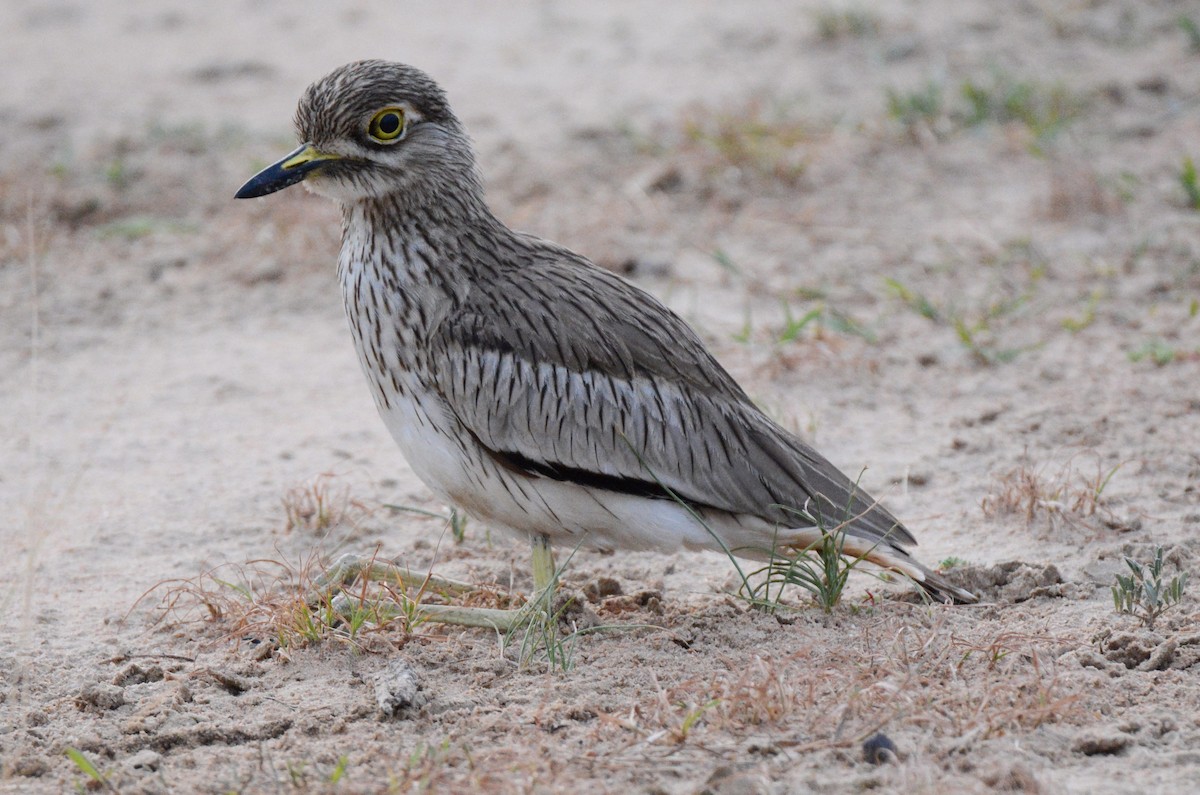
(372, 129)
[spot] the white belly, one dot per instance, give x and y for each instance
(459, 471)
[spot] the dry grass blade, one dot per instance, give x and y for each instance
(944, 681)
(278, 602)
(319, 505)
(1062, 495)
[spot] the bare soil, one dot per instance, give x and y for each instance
(950, 242)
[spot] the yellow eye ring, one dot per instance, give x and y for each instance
(387, 126)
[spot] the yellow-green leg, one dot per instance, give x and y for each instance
(348, 568)
(543, 564)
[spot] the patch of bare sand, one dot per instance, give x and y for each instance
(990, 301)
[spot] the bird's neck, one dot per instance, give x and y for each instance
(405, 266)
(408, 241)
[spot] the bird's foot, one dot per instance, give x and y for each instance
(349, 567)
(332, 588)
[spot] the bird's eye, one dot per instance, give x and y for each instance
(387, 126)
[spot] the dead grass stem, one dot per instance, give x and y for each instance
(1063, 495)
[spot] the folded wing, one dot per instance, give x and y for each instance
(620, 393)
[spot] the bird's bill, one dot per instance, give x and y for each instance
(291, 169)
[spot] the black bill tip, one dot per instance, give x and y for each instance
(287, 172)
(269, 180)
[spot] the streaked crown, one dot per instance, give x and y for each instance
(389, 131)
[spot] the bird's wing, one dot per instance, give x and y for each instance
(567, 371)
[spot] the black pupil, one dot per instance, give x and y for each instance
(389, 123)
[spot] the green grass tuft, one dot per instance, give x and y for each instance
(822, 569)
(1043, 108)
(918, 108)
(1155, 350)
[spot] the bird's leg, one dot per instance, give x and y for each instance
(544, 581)
(348, 568)
(544, 572)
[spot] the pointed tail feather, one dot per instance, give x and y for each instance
(896, 559)
(892, 558)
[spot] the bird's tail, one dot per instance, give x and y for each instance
(890, 557)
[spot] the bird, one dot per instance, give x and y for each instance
(537, 392)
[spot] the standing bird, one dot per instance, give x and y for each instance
(539, 393)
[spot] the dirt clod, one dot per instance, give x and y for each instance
(100, 697)
(1132, 648)
(144, 761)
(1011, 778)
(1013, 581)
(398, 689)
(1102, 742)
(232, 683)
(136, 674)
(29, 766)
(602, 588)
(573, 613)
(742, 779)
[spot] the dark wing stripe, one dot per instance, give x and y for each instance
(516, 462)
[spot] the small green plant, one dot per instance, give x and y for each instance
(1192, 31)
(820, 318)
(117, 173)
(458, 525)
(1043, 109)
(298, 773)
(90, 770)
(758, 139)
(1190, 183)
(983, 351)
(308, 624)
(1155, 350)
(131, 228)
(1077, 324)
(792, 326)
(457, 522)
(1143, 594)
(722, 258)
(543, 626)
(951, 562)
(822, 569)
(917, 302)
(919, 108)
(692, 718)
(539, 633)
(833, 24)
(973, 329)
(339, 770)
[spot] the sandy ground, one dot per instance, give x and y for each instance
(1003, 300)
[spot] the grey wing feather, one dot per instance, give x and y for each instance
(619, 391)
